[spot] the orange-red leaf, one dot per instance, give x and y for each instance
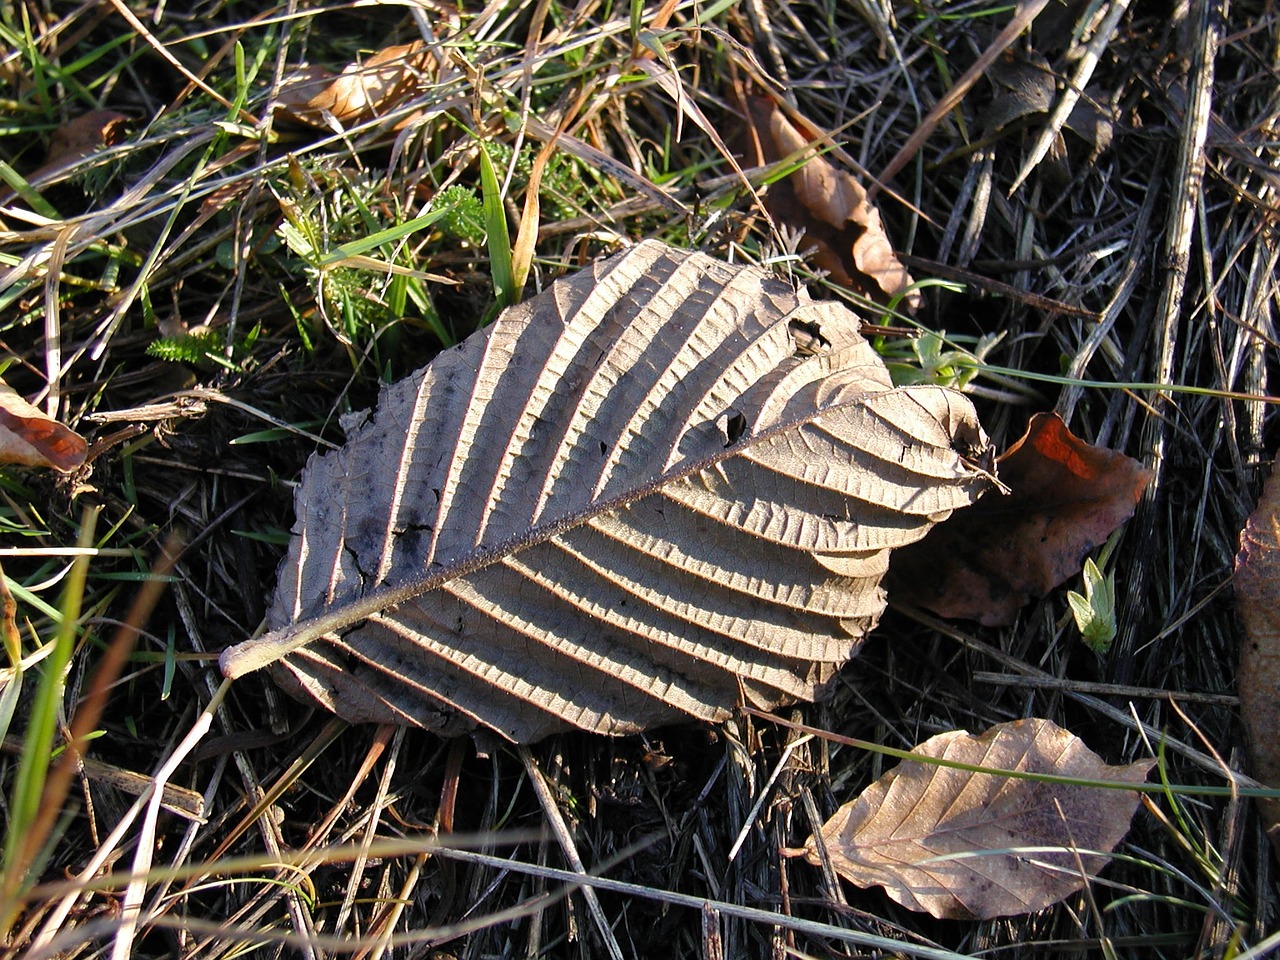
(1257, 586)
(830, 206)
(30, 438)
(1066, 497)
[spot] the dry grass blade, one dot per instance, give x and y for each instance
(1023, 17)
(141, 29)
(561, 832)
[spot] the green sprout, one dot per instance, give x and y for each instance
(1095, 611)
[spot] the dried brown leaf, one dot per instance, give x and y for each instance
(1092, 123)
(1066, 497)
(1024, 86)
(74, 141)
(85, 136)
(664, 486)
(1257, 584)
(831, 207)
(31, 438)
(365, 90)
(961, 844)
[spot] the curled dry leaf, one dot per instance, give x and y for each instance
(664, 486)
(1024, 85)
(32, 439)
(317, 97)
(831, 207)
(1257, 584)
(960, 844)
(1065, 498)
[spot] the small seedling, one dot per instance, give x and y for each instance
(1095, 612)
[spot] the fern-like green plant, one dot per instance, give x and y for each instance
(465, 219)
(203, 348)
(196, 348)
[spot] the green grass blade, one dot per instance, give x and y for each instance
(499, 239)
(374, 240)
(18, 184)
(37, 747)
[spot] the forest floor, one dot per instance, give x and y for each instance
(201, 273)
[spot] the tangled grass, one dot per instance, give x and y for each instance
(203, 285)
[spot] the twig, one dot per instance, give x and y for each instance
(1187, 183)
(1084, 72)
(951, 99)
(561, 831)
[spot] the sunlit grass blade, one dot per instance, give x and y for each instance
(499, 238)
(21, 846)
(390, 234)
(12, 688)
(18, 184)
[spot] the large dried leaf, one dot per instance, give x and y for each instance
(832, 208)
(962, 844)
(1257, 584)
(1065, 498)
(663, 487)
(31, 438)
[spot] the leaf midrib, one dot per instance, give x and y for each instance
(258, 652)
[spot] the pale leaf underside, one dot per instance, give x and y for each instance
(962, 844)
(661, 488)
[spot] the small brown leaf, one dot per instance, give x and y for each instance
(831, 207)
(960, 844)
(85, 135)
(77, 139)
(1093, 124)
(32, 439)
(363, 91)
(1066, 497)
(1257, 584)
(1024, 86)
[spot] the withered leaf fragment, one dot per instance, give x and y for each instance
(961, 844)
(31, 438)
(1024, 85)
(647, 494)
(1065, 498)
(363, 91)
(82, 137)
(1257, 585)
(831, 207)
